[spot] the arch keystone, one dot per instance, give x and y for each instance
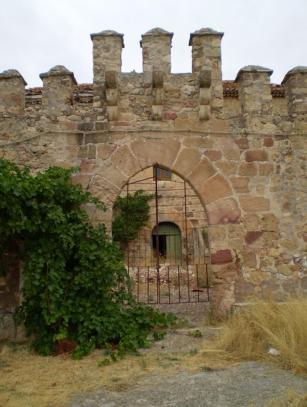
(150, 152)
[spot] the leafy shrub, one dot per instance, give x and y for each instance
(75, 285)
(131, 214)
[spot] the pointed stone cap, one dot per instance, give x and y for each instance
(158, 32)
(293, 71)
(12, 73)
(109, 33)
(253, 68)
(58, 70)
(203, 32)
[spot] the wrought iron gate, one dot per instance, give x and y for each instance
(168, 262)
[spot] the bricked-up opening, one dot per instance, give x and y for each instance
(166, 237)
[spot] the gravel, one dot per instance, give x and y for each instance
(248, 384)
(245, 384)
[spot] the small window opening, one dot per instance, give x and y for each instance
(162, 174)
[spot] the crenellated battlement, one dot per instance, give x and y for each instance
(116, 96)
(239, 145)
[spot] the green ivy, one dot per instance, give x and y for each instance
(75, 285)
(131, 213)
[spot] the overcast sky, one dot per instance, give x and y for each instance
(38, 34)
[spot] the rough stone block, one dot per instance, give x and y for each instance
(256, 155)
(221, 257)
(213, 155)
(248, 169)
(223, 212)
(203, 171)
(266, 169)
(254, 203)
(150, 152)
(249, 259)
(104, 151)
(91, 152)
(268, 142)
(269, 222)
(227, 167)
(215, 188)
(252, 236)
(240, 184)
(125, 161)
(244, 290)
(186, 161)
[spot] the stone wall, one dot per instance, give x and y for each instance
(240, 145)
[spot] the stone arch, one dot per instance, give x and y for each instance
(187, 158)
(212, 187)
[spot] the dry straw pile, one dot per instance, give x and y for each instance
(270, 330)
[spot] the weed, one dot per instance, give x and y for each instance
(196, 334)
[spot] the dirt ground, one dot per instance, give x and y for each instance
(180, 370)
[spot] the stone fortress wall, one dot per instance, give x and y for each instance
(240, 145)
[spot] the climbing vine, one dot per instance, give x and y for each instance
(131, 213)
(75, 286)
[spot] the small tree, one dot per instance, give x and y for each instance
(75, 285)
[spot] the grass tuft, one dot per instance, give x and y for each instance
(252, 331)
(289, 399)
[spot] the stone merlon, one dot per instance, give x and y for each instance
(253, 69)
(12, 73)
(58, 70)
(157, 32)
(109, 33)
(204, 32)
(294, 71)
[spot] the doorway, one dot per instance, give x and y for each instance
(166, 241)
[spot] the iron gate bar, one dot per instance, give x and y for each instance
(207, 278)
(168, 284)
(148, 284)
(186, 258)
(197, 281)
(128, 259)
(157, 236)
(138, 285)
(179, 293)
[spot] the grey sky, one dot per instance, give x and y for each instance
(38, 34)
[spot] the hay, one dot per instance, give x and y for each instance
(27, 379)
(30, 380)
(251, 332)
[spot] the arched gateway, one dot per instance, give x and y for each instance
(237, 145)
(169, 259)
(191, 193)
